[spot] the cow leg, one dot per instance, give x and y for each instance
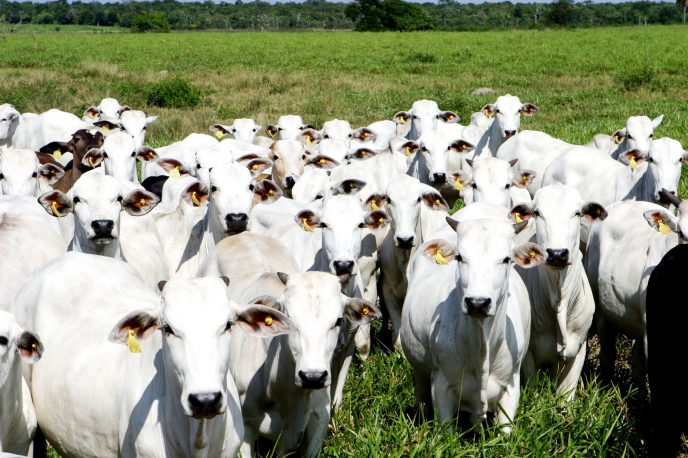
(423, 391)
(443, 398)
(316, 428)
(607, 336)
(246, 449)
(638, 367)
(343, 370)
(509, 403)
(529, 370)
(570, 374)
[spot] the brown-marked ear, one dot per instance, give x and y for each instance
(349, 187)
(402, 117)
(619, 135)
(409, 148)
(449, 117)
(307, 126)
(375, 200)
(92, 158)
(668, 221)
(246, 158)
(323, 162)
(521, 212)
(146, 154)
(528, 109)
(634, 154)
(219, 130)
(108, 126)
(462, 146)
(123, 109)
(224, 279)
(489, 109)
(92, 112)
(376, 220)
(461, 180)
(363, 154)
(311, 134)
(272, 130)
(363, 134)
(195, 194)
(684, 156)
(529, 255)
(258, 166)
(513, 162)
(523, 178)
(452, 222)
(142, 322)
(307, 220)
(671, 197)
(139, 202)
(269, 301)
(56, 203)
(435, 201)
(265, 191)
(50, 173)
(30, 346)
(161, 285)
(171, 164)
(262, 321)
(431, 249)
(593, 211)
(284, 278)
(52, 147)
(360, 311)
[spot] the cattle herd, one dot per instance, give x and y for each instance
(239, 276)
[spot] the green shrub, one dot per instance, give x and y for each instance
(634, 78)
(174, 92)
(150, 22)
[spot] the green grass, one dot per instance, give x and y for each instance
(584, 82)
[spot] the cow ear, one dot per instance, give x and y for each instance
(150, 120)
(528, 109)
(376, 220)
(265, 191)
(323, 162)
(146, 154)
(461, 180)
(633, 156)
(29, 345)
(246, 158)
(439, 251)
(363, 154)
(56, 149)
(139, 202)
(272, 130)
(593, 211)
(307, 126)
(309, 136)
(92, 158)
(462, 146)
(219, 130)
(523, 178)
(360, 311)
(434, 199)
(56, 203)
(409, 148)
(449, 117)
(489, 109)
(258, 166)
(262, 321)
(142, 322)
(107, 126)
(402, 117)
(50, 173)
(661, 220)
(657, 121)
(375, 201)
(619, 135)
(195, 194)
(307, 220)
(350, 187)
(92, 112)
(123, 109)
(521, 212)
(529, 255)
(170, 165)
(268, 301)
(452, 222)
(364, 134)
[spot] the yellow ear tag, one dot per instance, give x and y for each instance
(268, 320)
(437, 202)
(525, 179)
(518, 217)
(91, 115)
(322, 161)
(57, 153)
(599, 212)
(195, 200)
(90, 161)
(402, 120)
(34, 346)
(532, 254)
(255, 166)
(132, 343)
(272, 192)
(105, 127)
(365, 134)
(374, 206)
(382, 221)
(271, 134)
(142, 202)
(219, 134)
(408, 151)
(663, 228)
(363, 153)
(306, 226)
(457, 185)
(174, 173)
(617, 139)
(365, 311)
(439, 259)
(633, 164)
(54, 209)
(308, 141)
(450, 118)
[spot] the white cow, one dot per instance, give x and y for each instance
(243, 130)
(53, 126)
(622, 253)
(18, 419)
(494, 181)
(183, 151)
(283, 385)
(423, 116)
(135, 123)
(21, 174)
(560, 296)
(172, 399)
(465, 326)
(288, 127)
(120, 154)
(12, 127)
(289, 159)
(108, 110)
(637, 134)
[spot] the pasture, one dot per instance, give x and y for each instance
(584, 82)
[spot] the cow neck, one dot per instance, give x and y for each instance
(493, 139)
(212, 233)
(113, 250)
(634, 184)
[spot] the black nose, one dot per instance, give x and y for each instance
(291, 181)
(205, 405)
(103, 227)
(236, 222)
(343, 267)
(440, 177)
(405, 242)
(664, 198)
(557, 257)
(478, 306)
(313, 380)
(509, 133)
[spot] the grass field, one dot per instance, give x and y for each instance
(584, 82)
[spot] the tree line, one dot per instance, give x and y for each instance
(359, 15)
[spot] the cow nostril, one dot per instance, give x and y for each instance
(405, 242)
(343, 267)
(509, 133)
(440, 177)
(557, 256)
(236, 221)
(478, 306)
(313, 380)
(102, 226)
(205, 404)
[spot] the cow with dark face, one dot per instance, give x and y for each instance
(81, 143)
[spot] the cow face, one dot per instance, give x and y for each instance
(335, 149)
(120, 153)
(197, 320)
(665, 159)
(338, 130)
(9, 120)
(109, 109)
(14, 342)
(289, 160)
(491, 180)
(135, 123)
(244, 130)
(423, 116)
(637, 134)
(288, 128)
(507, 111)
(435, 147)
(81, 142)
(21, 173)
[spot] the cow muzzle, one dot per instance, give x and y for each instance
(557, 259)
(236, 222)
(343, 269)
(509, 133)
(205, 405)
(439, 177)
(405, 243)
(312, 380)
(102, 229)
(478, 307)
(290, 181)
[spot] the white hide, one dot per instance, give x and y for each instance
(288, 127)
(493, 181)
(243, 130)
(21, 174)
(423, 116)
(637, 134)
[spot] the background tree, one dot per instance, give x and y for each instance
(684, 5)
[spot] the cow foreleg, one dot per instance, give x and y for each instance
(607, 336)
(509, 404)
(443, 399)
(639, 367)
(570, 374)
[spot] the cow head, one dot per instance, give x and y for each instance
(120, 153)
(135, 123)
(9, 120)
(21, 173)
(243, 130)
(664, 160)
(16, 345)
(423, 116)
(81, 142)
(435, 147)
(289, 159)
(491, 180)
(507, 111)
(663, 220)
(637, 134)
(288, 127)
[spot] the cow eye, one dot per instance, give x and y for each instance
(414, 117)
(274, 158)
(2, 176)
(337, 323)
(536, 213)
(474, 186)
(301, 128)
(458, 258)
(322, 225)
(508, 185)
(168, 330)
(389, 201)
(119, 198)
(229, 326)
(133, 154)
(419, 199)
(34, 174)
(424, 148)
(649, 159)
(351, 135)
(507, 260)
(326, 136)
(628, 136)
(4, 340)
(105, 155)
(578, 214)
(319, 196)
(361, 226)
(76, 200)
(3, 120)
(279, 129)
(497, 111)
(303, 157)
(213, 188)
